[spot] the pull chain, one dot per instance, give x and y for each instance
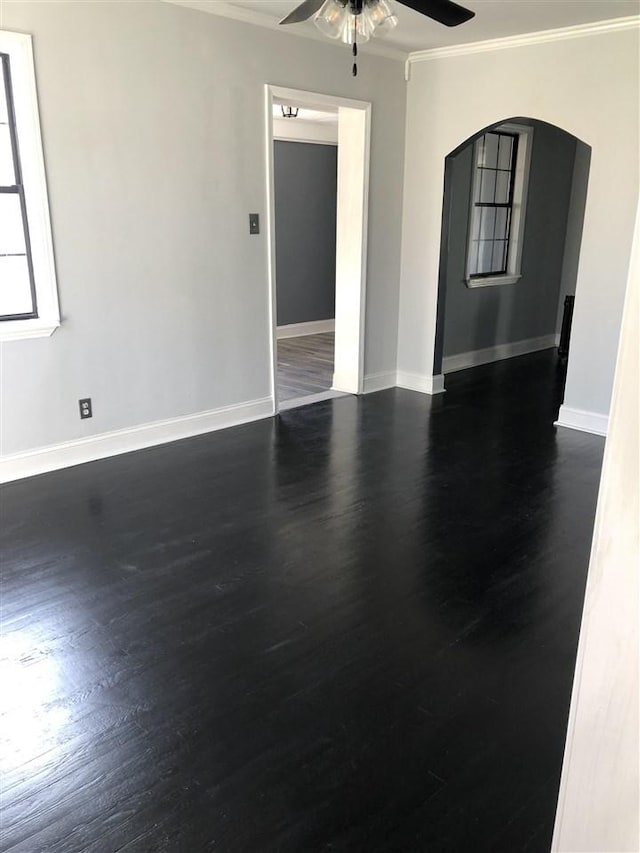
(354, 70)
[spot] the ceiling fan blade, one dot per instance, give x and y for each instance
(443, 11)
(303, 12)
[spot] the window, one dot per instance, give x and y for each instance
(496, 222)
(28, 295)
(495, 162)
(18, 299)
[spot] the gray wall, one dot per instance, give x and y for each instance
(475, 318)
(305, 201)
(153, 121)
(575, 223)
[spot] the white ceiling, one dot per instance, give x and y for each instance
(494, 19)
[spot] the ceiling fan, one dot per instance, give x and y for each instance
(354, 21)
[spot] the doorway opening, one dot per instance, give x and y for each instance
(305, 157)
(513, 213)
(318, 173)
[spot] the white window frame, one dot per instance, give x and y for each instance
(25, 103)
(518, 210)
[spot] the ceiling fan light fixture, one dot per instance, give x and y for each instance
(354, 21)
(338, 20)
(357, 28)
(332, 18)
(381, 16)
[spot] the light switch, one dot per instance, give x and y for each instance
(254, 223)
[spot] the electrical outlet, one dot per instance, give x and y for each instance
(254, 223)
(85, 408)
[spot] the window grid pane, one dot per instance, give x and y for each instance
(17, 291)
(487, 186)
(7, 169)
(493, 197)
(490, 151)
(11, 228)
(505, 150)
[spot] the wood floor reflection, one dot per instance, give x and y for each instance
(352, 627)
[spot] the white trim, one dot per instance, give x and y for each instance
(270, 208)
(309, 132)
(557, 339)
(312, 100)
(492, 280)
(298, 330)
(582, 420)
(599, 785)
(19, 330)
(250, 16)
(18, 47)
(420, 382)
(305, 140)
(352, 224)
(354, 133)
(308, 399)
(539, 37)
(520, 194)
(341, 381)
(18, 465)
(379, 381)
(464, 360)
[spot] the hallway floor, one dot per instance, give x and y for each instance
(352, 627)
(305, 365)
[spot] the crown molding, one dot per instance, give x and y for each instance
(249, 16)
(561, 34)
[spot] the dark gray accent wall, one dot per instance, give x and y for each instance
(475, 318)
(305, 204)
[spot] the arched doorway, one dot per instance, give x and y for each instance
(513, 211)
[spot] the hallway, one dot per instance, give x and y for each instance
(305, 365)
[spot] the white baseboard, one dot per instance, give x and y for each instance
(582, 420)
(420, 382)
(314, 327)
(308, 399)
(464, 360)
(379, 381)
(18, 465)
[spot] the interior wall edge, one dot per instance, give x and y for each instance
(420, 382)
(600, 782)
(380, 381)
(582, 420)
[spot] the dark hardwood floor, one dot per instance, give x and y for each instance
(350, 628)
(305, 365)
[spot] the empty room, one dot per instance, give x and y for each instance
(319, 438)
